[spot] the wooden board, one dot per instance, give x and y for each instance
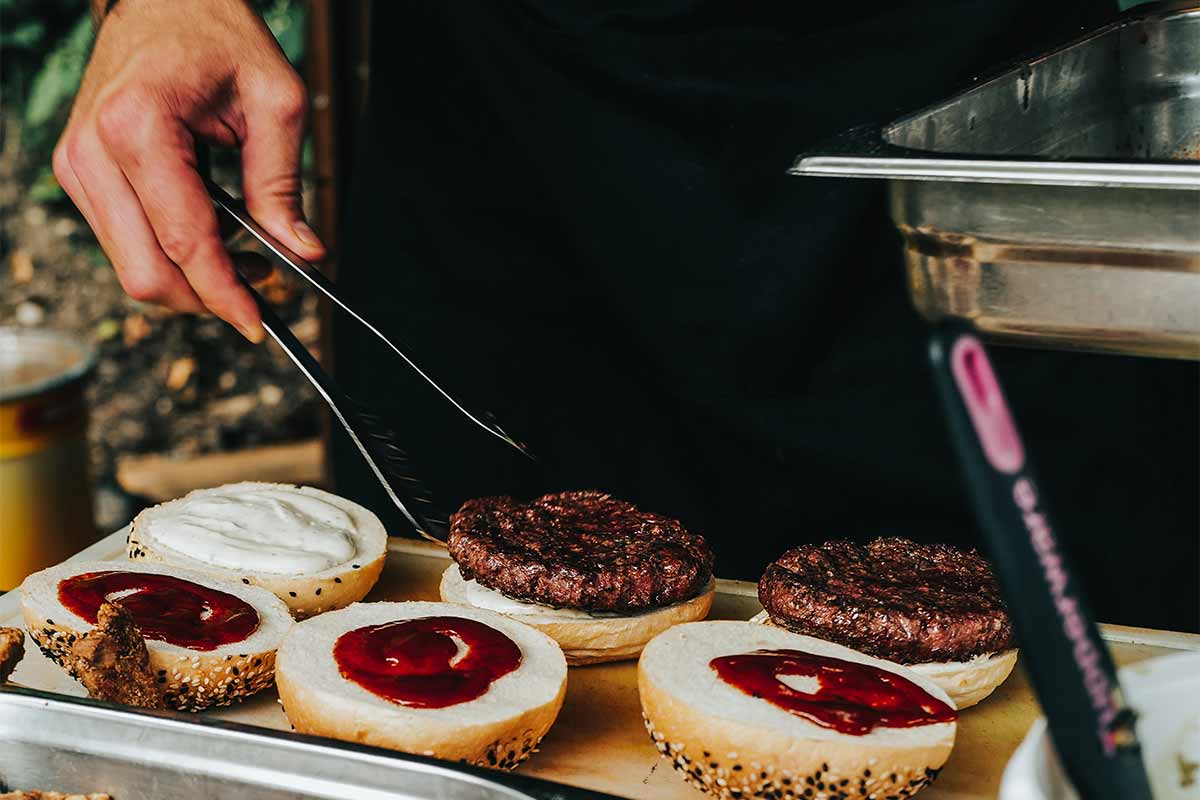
(598, 741)
(159, 478)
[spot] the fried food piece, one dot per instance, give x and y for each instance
(12, 648)
(112, 662)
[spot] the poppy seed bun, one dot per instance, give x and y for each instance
(498, 729)
(733, 745)
(967, 682)
(584, 638)
(306, 593)
(191, 680)
(583, 550)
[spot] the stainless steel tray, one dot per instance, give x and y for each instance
(1057, 204)
(50, 741)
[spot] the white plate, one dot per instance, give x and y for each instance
(1166, 694)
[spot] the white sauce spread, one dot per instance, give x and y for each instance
(277, 530)
(491, 600)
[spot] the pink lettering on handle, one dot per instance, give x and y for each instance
(1087, 658)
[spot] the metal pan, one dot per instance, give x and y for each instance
(1057, 204)
(60, 743)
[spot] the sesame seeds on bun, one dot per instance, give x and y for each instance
(734, 745)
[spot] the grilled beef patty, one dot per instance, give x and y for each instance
(891, 598)
(579, 550)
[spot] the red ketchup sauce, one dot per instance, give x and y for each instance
(413, 662)
(166, 609)
(853, 698)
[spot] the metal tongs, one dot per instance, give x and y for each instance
(375, 442)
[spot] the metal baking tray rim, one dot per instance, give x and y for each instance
(300, 749)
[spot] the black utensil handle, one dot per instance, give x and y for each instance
(1067, 661)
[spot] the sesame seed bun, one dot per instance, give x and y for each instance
(191, 680)
(733, 745)
(967, 682)
(593, 639)
(500, 729)
(306, 594)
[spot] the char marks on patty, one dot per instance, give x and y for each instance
(583, 550)
(891, 598)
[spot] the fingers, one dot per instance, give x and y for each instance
(103, 195)
(274, 118)
(152, 81)
(155, 153)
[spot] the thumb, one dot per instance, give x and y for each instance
(271, 167)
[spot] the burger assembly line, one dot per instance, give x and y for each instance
(848, 684)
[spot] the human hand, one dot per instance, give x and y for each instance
(161, 76)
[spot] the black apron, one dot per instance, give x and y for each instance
(578, 216)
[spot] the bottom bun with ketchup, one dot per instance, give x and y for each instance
(934, 608)
(432, 679)
(210, 642)
(744, 710)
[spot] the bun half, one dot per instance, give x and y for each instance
(593, 639)
(306, 594)
(733, 745)
(191, 680)
(499, 729)
(968, 682)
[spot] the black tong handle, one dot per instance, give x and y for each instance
(1067, 661)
